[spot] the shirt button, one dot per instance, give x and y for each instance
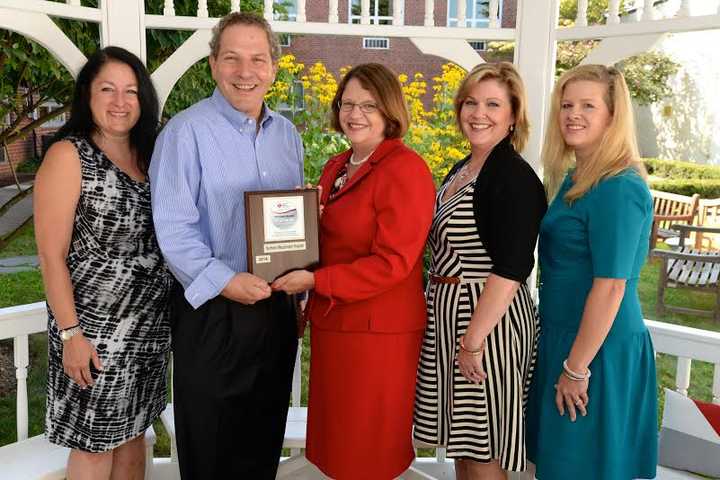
(264, 174)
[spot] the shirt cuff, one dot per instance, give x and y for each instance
(209, 283)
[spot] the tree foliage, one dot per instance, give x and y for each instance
(647, 74)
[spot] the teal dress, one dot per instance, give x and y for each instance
(602, 234)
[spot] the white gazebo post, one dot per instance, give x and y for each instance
(581, 18)
(301, 16)
(123, 25)
(535, 52)
(649, 10)
(461, 13)
(429, 13)
(535, 59)
(333, 11)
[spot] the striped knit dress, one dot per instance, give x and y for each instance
(478, 422)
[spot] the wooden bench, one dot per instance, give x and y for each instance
(689, 268)
(671, 209)
(708, 216)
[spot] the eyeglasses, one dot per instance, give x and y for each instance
(350, 106)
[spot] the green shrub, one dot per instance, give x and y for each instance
(676, 169)
(706, 187)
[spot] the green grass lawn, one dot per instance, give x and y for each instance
(26, 287)
(22, 244)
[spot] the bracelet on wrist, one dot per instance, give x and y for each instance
(573, 375)
(68, 328)
(474, 353)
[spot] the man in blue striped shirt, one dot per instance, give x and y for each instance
(233, 338)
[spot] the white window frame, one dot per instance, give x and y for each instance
(291, 17)
(374, 7)
(56, 122)
(284, 108)
(471, 19)
(285, 40)
(367, 43)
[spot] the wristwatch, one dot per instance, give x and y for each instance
(68, 333)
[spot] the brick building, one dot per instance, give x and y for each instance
(32, 146)
(400, 54)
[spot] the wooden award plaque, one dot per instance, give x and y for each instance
(281, 228)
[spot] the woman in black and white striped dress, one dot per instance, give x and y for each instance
(479, 348)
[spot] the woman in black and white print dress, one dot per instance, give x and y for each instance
(479, 347)
(105, 279)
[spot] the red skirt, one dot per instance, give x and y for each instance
(360, 412)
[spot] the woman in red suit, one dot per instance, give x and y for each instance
(367, 309)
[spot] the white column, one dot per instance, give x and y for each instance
(682, 375)
(169, 8)
(684, 10)
(429, 13)
(398, 18)
(494, 13)
(716, 384)
(333, 11)
(364, 12)
(535, 47)
(535, 59)
(648, 10)
(301, 17)
(123, 25)
(235, 5)
(268, 10)
(202, 10)
(461, 13)
(21, 356)
(614, 12)
(581, 19)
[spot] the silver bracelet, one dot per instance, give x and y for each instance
(572, 375)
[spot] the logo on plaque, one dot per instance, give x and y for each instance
(286, 217)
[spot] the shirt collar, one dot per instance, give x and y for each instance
(238, 119)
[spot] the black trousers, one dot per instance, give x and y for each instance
(232, 377)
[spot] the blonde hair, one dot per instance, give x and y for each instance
(506, 75)
(618, 148)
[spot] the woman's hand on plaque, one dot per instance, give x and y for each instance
(295, 282)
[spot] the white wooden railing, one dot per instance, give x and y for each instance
(685, 343)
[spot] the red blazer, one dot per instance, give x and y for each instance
(372, 238)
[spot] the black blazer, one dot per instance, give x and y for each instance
(509, 203)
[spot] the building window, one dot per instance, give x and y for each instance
(374, 43)
(477, 13)
(381, 11)
(284, 39)
(46, 108)
(285, 10)
(478, 45)
(298, 102)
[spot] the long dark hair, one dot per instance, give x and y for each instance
(81, 123)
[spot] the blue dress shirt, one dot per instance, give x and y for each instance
(205, 158)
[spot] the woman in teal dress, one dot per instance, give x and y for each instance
(592, 411)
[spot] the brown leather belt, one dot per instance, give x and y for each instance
(447, 280)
